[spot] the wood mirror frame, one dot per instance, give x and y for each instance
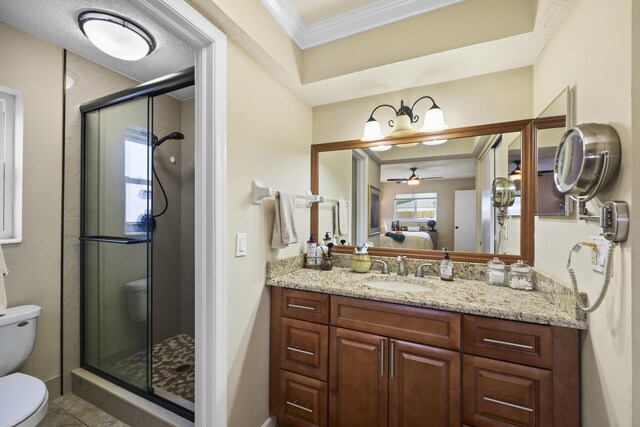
(529, 168)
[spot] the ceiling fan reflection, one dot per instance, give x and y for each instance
(413, 179)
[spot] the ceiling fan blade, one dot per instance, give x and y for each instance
(430, 177)
(396, 179)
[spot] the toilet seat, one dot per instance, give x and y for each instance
(23, 400)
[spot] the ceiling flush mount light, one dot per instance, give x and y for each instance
(116, 36)
(433, 121)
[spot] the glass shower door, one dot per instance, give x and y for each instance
(116, 241)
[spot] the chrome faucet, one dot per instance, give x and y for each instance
(385, 268)
(419, 272)
(402, 267)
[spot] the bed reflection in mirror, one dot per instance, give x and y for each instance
(432, 196)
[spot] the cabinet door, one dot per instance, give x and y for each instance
(424, 388)
(358, 385)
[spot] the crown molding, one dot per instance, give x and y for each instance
(378, 14)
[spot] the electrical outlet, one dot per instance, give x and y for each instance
(599, 255)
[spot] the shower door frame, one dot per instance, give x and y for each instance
(210, 45)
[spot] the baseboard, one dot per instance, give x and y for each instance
(53, 387)
(270, 422)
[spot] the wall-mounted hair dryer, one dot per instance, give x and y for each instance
(587, 161)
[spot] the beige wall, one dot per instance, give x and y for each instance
(261, 147)
(445, 188)
(489, 98)
(603, 94)
(36, 70)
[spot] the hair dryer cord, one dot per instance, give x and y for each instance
(608, 270)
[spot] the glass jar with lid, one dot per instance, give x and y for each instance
(496, 274)
(521, 276)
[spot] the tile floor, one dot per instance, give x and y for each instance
(72, 411)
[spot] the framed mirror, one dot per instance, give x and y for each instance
(428, 192)
(548, 129)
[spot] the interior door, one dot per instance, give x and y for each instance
(423, 380)
(358, 384)
(464, 234)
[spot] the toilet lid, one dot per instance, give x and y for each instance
(20, 396)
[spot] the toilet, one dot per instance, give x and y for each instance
(23, 399)
(137, 299)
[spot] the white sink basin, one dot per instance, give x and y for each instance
(389, 285)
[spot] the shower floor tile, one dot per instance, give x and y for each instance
(173, 366)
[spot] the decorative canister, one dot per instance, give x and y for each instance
(360, 263)
(520, 276)
(326, 263)
(496, 274)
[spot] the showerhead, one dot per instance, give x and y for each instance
(172, 135)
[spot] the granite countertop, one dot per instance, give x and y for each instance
(460, 295)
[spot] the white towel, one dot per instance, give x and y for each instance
(284, 224)
(3, 272)
(343, 217)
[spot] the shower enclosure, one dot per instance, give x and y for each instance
(127, 249)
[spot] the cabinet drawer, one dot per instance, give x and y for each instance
(304, 401)
(505, 394)
(304, 348)
(518, 342)
(305, 305)
(419, 325)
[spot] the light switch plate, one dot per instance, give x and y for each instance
(600, 257)
(241, 244)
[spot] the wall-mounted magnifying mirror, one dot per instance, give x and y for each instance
(503, 193)
(587, 161)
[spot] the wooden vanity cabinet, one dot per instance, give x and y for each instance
(347, 362)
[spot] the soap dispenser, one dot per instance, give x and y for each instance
(446, 268)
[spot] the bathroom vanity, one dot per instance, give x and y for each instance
(344, 353)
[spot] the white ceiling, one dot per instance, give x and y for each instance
(447, 169)
(313, 11)
(311, 23)
(56, 23)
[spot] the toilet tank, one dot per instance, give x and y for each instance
(18, 336)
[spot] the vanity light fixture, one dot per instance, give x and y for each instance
(116, 36)
(380, 148)
(433, 121)
(435, 142)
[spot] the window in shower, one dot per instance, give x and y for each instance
(136, 180)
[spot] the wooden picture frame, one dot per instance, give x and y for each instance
(373, 211)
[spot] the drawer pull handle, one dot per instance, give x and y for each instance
(302, 307)
(507, 343)
(510, 405)
(295, 405)
(297, 350)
